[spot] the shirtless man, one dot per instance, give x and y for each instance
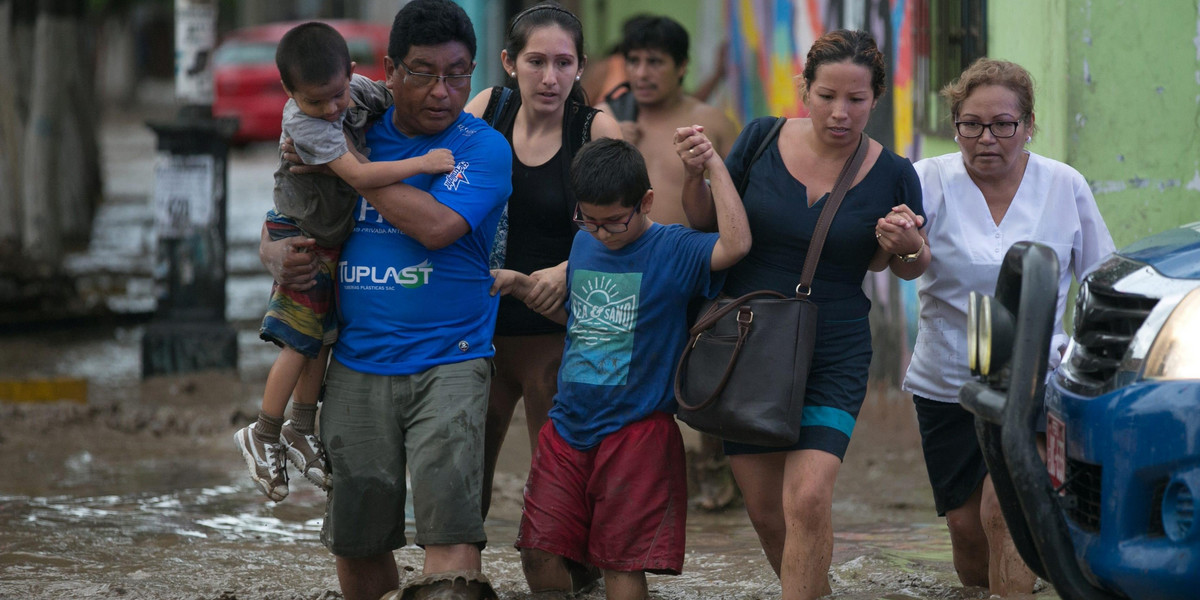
(656, 51)
(656, 59)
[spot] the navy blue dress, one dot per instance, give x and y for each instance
(782, 224)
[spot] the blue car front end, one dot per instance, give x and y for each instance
(1115, 510)
(1123, 435)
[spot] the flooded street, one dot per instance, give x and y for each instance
(139, 493)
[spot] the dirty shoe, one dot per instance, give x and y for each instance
(452, 585)
(265, 463)
(306, 453)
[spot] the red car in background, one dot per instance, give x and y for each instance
(246, 82)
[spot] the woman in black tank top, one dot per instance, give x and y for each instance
(546, 118)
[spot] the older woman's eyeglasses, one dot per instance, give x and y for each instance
(974, 129)
(609, 226)
(423, 80)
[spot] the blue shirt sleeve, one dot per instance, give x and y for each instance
(482, 175)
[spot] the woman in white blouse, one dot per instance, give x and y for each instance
(978, 202)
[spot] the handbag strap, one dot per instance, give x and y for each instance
(840, 187)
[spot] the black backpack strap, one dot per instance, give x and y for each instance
(622, 103)
(772, 133)
(498, 107)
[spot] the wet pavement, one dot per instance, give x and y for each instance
(140, 494)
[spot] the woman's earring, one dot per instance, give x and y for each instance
(513, 74)
(956, 139)
(577, 77)
(1028, 138)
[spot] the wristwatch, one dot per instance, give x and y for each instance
(914, 256)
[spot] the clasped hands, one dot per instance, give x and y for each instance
(897, 231)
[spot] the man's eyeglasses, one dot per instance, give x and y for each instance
(609, 226)
(974, 129)
(423, 80)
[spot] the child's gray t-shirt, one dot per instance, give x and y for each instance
(323, 205)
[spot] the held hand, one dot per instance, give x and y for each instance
(694, 149)
(291, 262)
(438, 160)
(897, 233)
(506, 281)
(549, 289)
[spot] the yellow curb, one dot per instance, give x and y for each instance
(63, 389)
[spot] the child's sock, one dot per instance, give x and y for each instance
(304, 417)
(266, 430)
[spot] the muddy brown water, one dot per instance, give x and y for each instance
(140, 494)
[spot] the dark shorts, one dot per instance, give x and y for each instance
(620, 506)
(837, 384)
(377, 427)
(953, 458)
(303, 321)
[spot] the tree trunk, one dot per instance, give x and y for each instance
(41, 227)
(79, 187)
(11, 132)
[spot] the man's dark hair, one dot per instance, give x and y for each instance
(312, 53)
(651, 32)
(607, 171)
(429, 23)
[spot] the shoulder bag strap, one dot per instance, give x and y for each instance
(844, 180)
(772, 133)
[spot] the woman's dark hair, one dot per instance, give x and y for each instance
(841, 45)
(989, 71)
(607, 171)
(543, 15)
(429, 23)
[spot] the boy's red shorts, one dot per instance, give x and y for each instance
(620, 506)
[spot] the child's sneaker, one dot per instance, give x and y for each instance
(265, 463)
(307, 454)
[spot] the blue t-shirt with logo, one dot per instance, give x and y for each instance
(403, 308)
(626, 327)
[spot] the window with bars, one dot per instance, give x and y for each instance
(950, 35)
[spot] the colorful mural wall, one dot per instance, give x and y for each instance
(770, 38)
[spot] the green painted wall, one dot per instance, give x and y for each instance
(1134, 107)
(1118, 97)
(1030, 33)
(1117, 87)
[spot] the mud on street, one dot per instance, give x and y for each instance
(139, 493)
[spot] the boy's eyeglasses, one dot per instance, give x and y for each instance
(974, 129)
(611, 227)
(423, 80)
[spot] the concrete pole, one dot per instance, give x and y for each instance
(189, 332)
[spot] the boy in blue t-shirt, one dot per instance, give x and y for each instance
(607, 485)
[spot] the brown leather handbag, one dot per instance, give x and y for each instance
(743, 373)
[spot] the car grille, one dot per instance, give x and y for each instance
(1105, 323)
(1083, 494)
(1155, 526)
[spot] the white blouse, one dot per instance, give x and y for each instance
(1053, 206)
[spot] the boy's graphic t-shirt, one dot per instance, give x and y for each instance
(626, 326)
(403, 308)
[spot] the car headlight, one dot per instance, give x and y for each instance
(991, 331)
(1175, 353)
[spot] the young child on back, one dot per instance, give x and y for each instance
(326, 117)
(607, 485)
